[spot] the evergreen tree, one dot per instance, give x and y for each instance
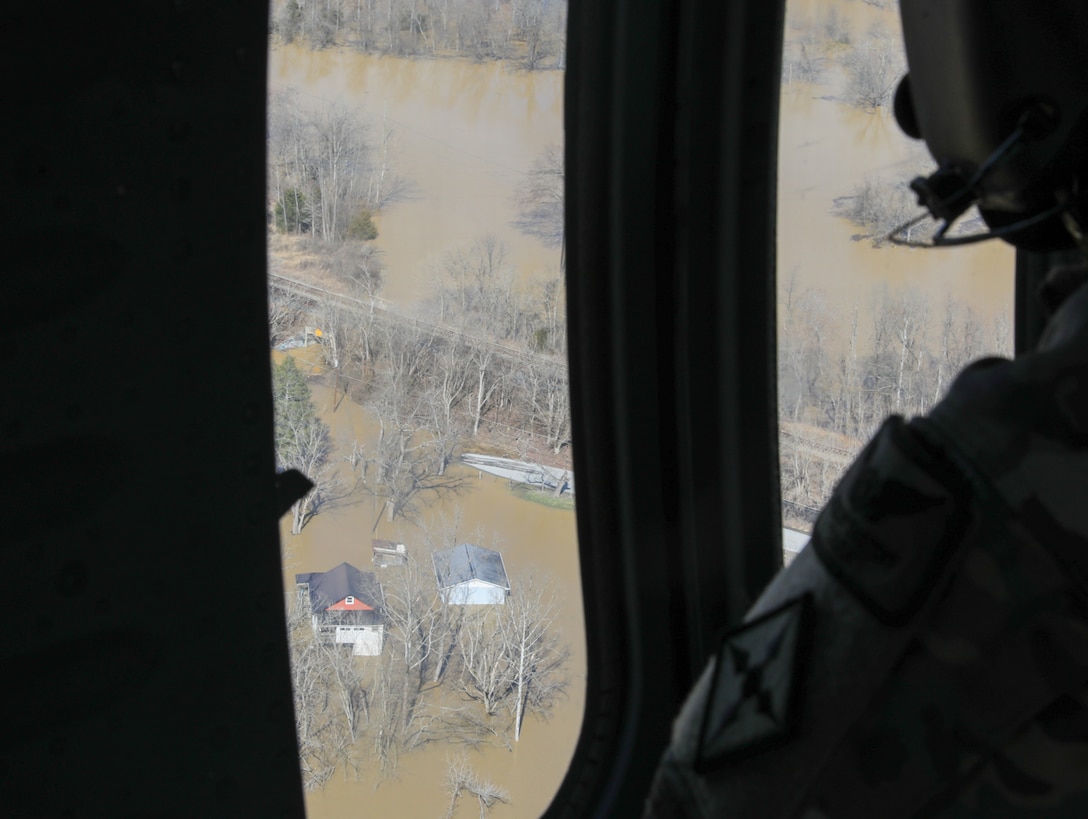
(294, 411)
(302, 439)
(362, 227)
(292, 212)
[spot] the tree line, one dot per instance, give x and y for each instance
(466, 675)
(840, 376)
(531, 33)
(484, 357)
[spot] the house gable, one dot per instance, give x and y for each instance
(355, 605)
(469, 574)
(330, 590)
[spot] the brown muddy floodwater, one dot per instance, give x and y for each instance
(464, 134)
(530, 536)
(825, 149)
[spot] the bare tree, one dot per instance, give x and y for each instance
(329, 700)
(336, 323)
(358, 265)
(804, 332)
(288, 158)
(540, 198)
(403, 469)
(535, 658)
(485, 659)
(404, 454)
(549, 397)
(384, 184)
(910, 329)
(852, 418)
(873, 69)
(549, 313)
(475, 288)
(421, 626)
(488, 378)
(538, 27)
(389, 716)
(307, 683)
(310, 455)
(835, 391)
(468, 277)
(477, 30)
(285, 311)
(422, 639)
(460, 778)
(340, 153)
(511, 656)
(447, 387)
(880, 205)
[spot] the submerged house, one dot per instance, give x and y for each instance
(471, 575)
(346, 606)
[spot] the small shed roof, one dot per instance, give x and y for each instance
(329, 588)
(467, 562)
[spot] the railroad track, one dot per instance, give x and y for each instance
(388, 311)
(790, 442)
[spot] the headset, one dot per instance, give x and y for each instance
(998, 90)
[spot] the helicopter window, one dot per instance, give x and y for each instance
(866, 328)
(417, 315)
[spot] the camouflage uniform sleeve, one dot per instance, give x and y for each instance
(884, 672)
(927, 655)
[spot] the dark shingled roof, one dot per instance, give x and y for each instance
(467, 562)
(329, 588)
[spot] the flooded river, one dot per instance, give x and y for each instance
(827, 148)
(465, 134)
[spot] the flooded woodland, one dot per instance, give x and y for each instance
(463, 135)
(531, 536)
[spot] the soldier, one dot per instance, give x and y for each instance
(927, 655)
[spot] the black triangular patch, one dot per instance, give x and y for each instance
(750, 705)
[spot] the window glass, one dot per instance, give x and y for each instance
(866, 328)
(415, 190)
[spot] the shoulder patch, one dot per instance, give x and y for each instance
(752, 701)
